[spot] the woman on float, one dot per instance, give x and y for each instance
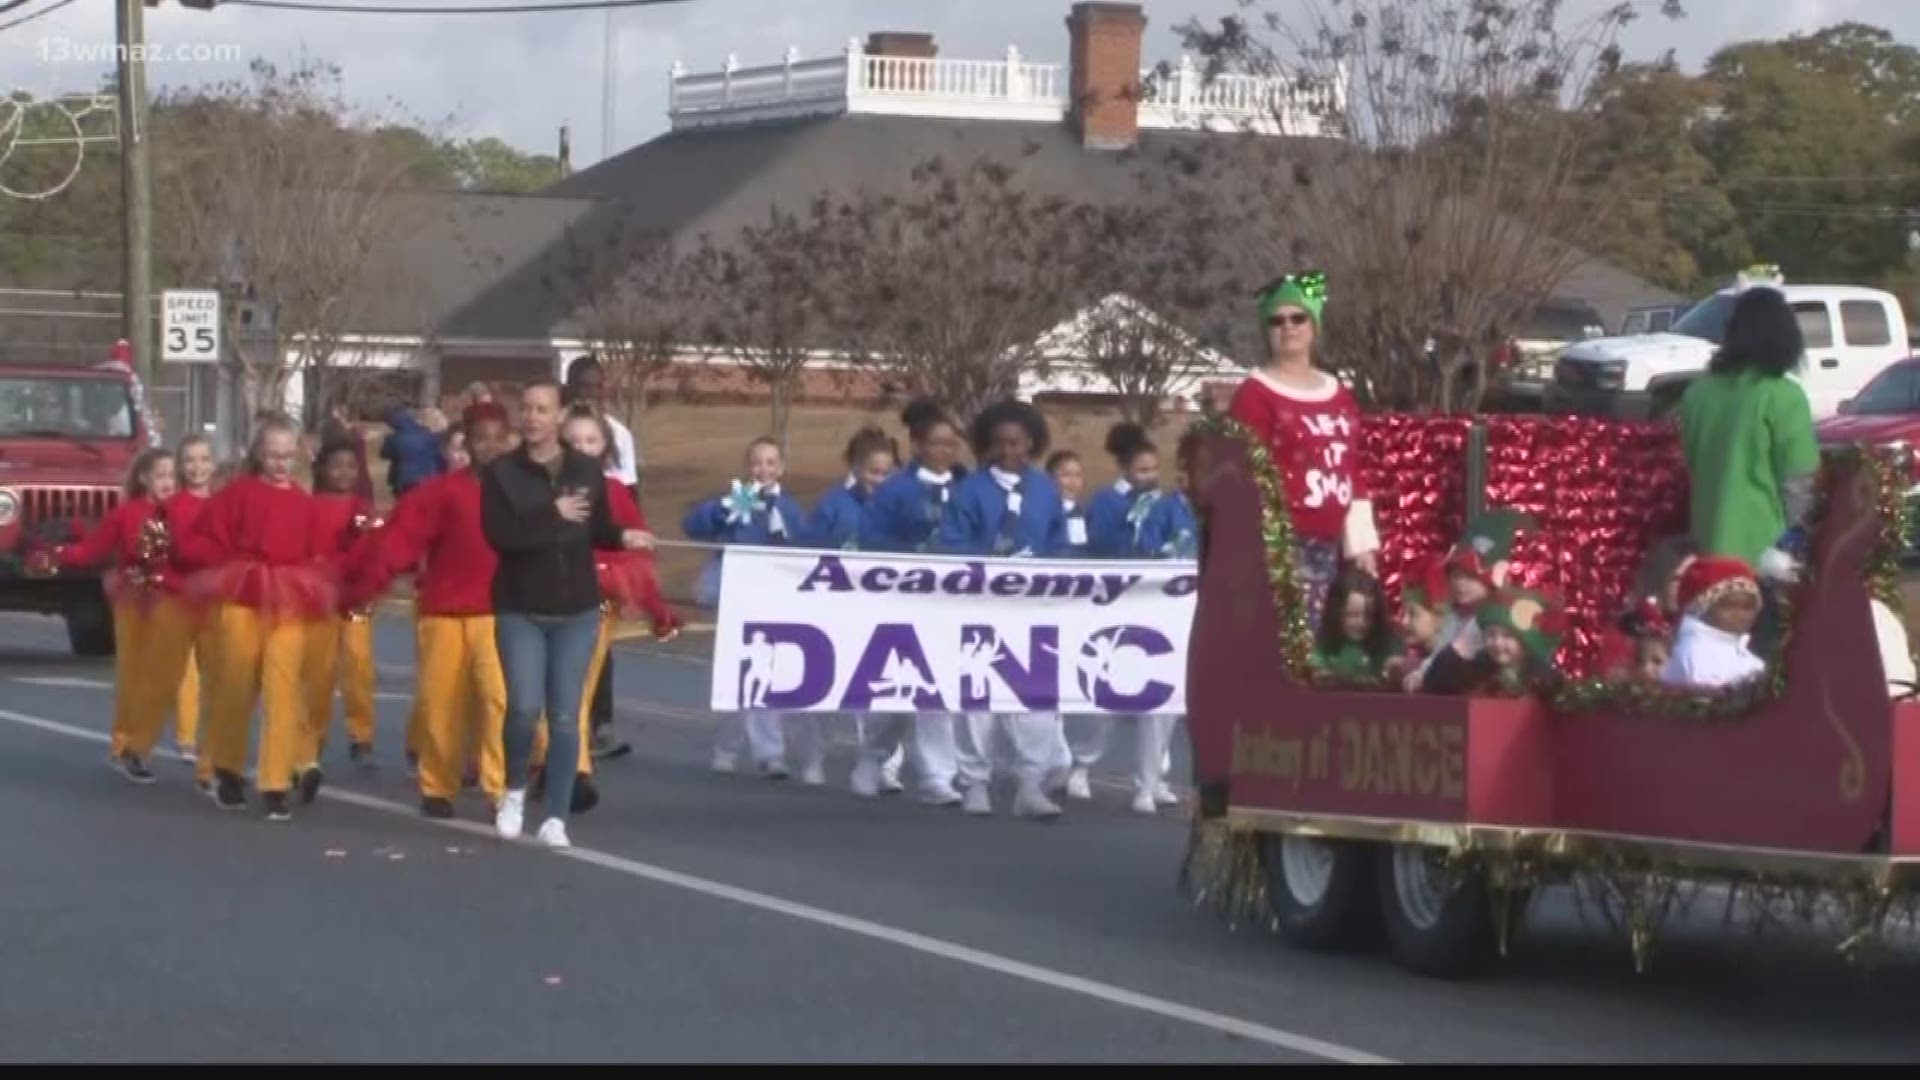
(904, 517)
(1310, 425)
(1747, 432)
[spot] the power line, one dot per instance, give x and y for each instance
(24, 19)
(404, 9)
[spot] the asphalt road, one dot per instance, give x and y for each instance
(707, 918)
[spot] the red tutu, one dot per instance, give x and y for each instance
(627, 581)
(304, 592)
(141, 590)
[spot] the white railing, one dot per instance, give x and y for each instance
(1008, 89)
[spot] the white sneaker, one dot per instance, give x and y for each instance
(1165, 796)
(866, 778)
(1077, 785)
(890, 776)
(1033, 802)
(724, 762)
(1143, 802)
(976, 801)
(814, 775)
(511, 816)
(773, 770)
(939, 795)
(553, 835)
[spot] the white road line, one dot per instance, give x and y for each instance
(906, 939)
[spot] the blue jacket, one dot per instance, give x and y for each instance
(708, 521)
(1076, 540)
(1129, 523)
(974, 526)
(905, 513)
(835, 523)
(412, 451)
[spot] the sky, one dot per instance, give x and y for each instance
(519, 77)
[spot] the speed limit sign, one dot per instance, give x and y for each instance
(190, 326)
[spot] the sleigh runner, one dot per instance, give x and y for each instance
(1341, 814)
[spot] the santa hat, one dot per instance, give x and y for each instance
(1483, 551)
(1425, 585)
(1710, 579)
(1647, 619)
(1537, 618)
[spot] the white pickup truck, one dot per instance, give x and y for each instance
(1852, 334)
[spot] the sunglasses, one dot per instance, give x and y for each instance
(1290, 318)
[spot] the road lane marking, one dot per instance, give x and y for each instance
(907, 939)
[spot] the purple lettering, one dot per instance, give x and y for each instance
(1036, 683)
(761, 671)
(1008, 584)
(878, 578)
(1181, 585)
(967, 582)
(1116, 667)
(893, 674)
(829, 573)
(917, 581)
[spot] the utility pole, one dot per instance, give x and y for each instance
(609, 84)
(136, 317)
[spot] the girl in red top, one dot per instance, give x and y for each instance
(196, 466)
(628, 587)
(342, 652)
(1310, 424)
(150, 625)
(255, 566)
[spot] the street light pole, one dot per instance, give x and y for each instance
(136, 318)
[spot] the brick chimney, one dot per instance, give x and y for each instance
(1104, 83)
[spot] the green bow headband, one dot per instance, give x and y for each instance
(1306, 291)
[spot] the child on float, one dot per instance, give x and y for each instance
(257, 565)
(195, 464)
(904, 517)
(871, 458)
(1720, 598)
(1310, 426)
(1133, 519)
(151, 626)
(756, 511)
(1520, 633)
(1425, 598)
(340, 656)
(1008, 509)
(1355, 641)
(1476, 568)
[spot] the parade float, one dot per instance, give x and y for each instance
(1348, 816)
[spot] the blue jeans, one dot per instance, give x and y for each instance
(545, 659)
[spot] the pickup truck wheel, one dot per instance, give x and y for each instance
(1319, 891)
(90, 630)
(1439, 922)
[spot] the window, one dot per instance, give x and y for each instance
(1635, 324)
(46, 407)
(1864, 322)
(1708, 319)
(1816, 325)
(1895, 390)
(1660, 320)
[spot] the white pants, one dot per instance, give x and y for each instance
(1033, 737)
(876, 735)
(1087, 736)
(930, 750)
(766, 736)
(1150, 761)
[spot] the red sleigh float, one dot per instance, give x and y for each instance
(1342, 814)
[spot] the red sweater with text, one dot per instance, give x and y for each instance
(1314, 439)
(436, 524)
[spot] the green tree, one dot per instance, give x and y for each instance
(491, 165)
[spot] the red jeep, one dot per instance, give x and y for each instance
(67, 436)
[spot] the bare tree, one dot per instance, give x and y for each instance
(275, 190)
(949, 287)
(1459, 197)
(780, 288)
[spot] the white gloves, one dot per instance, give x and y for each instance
(1777, 565)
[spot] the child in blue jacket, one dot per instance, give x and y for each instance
(1009, 509)
(904, 517)
(756, 512)
(1134, 520)
(1071, 478)
(835, 526)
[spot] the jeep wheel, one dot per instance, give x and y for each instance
(90, 630)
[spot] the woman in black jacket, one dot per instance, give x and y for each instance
(544, 509)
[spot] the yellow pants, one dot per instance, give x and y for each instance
(186, 706)
(151, 643)
(205, 671)
(257, 661)
(462, 696)
(357, 678)
(339, 653)
(607, 625)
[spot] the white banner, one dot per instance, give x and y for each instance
(840, 631)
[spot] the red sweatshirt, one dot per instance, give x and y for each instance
(437, 523)
(628, 578)
(184, 509)
(116, 539)
(254, 545)
(1314, 439)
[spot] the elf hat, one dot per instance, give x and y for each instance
(1710, 579)
(1537, 618)
(1483, 551)
(1646, 619)
(1425, 585)
(1306, 291)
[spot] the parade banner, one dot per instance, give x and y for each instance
(820, 631)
